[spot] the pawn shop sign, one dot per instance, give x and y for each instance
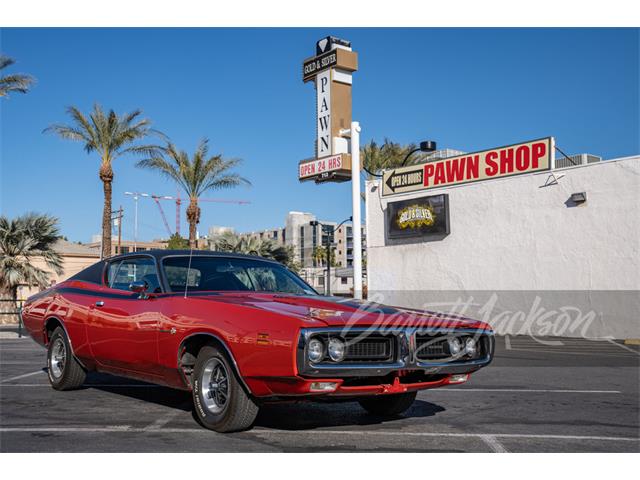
(331, 71)
(527, 157)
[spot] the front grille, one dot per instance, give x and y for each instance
(429, 347)
(369, 349)
(363, 347)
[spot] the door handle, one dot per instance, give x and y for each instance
(171, 331)
(100, 304)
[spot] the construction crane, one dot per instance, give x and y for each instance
(157, 199)
(178, 200)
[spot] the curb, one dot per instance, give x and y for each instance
(10, 335)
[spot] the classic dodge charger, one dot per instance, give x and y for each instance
(240, 331)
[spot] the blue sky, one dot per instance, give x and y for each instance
(467, 89)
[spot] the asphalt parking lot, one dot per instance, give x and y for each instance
(579, 396)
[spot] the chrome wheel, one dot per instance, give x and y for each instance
(214, 385)
(58, 358)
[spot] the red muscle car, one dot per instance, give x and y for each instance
(239, 331)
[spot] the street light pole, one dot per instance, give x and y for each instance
(328, 248)
(136, 195)
(355, 200)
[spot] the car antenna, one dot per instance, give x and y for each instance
(186, 282)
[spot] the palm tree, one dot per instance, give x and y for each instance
(18, 82)
(376, 158)
(196, 175)
(111, 136)
(319, 254)
(230, 242)
(22, 240)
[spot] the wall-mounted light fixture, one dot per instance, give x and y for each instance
(579, 197)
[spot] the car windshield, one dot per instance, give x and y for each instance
(226, 273)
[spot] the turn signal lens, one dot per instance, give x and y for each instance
(315, 350)
(336, 349)
(459, 378)
(323, 386)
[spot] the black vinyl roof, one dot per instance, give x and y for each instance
(160, 254)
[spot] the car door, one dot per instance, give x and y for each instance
(123, 328)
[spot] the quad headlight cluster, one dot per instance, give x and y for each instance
(317, 349)
(465, 346)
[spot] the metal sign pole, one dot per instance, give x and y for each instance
(356, 202)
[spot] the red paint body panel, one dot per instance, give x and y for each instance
(141, 338)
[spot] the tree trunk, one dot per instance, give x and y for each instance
(193, 217)
(106, 175)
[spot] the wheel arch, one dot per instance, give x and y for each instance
(190, 347)
(50, 325)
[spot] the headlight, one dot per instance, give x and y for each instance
(336, 349)
(454, 346)
(470, 347)
(315, 350)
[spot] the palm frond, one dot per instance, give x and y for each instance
(6, 61)
(22, 240)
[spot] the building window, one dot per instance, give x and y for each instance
(321, 281)
(125, 250)
(343, 280)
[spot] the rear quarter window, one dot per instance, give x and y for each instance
(92, 274)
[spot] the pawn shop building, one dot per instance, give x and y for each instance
(532, 242)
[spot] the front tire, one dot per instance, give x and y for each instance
(64, 371)
(220, 402)
(388, 405)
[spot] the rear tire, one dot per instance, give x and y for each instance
(220, 402)
(388, 405)
(64, 371)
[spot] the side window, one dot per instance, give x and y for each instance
(272, 280)
(122, 273)
(177, 277)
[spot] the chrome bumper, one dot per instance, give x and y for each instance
(404, 358)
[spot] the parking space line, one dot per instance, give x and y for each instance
(162, 421)
(130, 429)
(22, 376)
(517, 390)
(97, 385)
(580, 352)
(493, 443)
(445, 389)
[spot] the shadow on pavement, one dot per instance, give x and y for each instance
(280, 416)
(310, 415)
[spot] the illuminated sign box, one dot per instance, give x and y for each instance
(419, 217)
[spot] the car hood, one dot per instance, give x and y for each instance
(340, 312)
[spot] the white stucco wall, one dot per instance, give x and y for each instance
(516, 234)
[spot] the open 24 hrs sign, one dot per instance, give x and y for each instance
(528, 157)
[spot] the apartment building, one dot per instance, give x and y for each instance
(308, 243)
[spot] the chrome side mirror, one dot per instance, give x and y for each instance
(140, 287)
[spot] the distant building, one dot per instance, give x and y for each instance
(129, 246)
(75, 257)
(307, 239)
